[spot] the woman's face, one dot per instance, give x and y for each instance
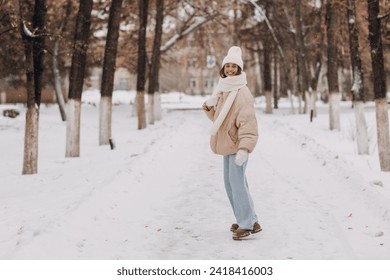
(231, 69)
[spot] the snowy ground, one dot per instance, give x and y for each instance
(160, 193)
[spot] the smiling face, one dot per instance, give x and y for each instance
(230, 69)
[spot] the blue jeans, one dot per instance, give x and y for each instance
(238, 192)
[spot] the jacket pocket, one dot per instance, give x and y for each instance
(233, 134)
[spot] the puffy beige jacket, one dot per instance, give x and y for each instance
(239, 129)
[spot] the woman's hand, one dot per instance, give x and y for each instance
(241, 157)
(205, 107)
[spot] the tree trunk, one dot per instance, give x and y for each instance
(301, 57)
(157, 104)
(76, 79)
(268, 46)
(154, 105)
(332, 74)
(315, 80)
(290, 97)
(357, 88)
(259, 70)
(299, 86)
(34, 69)
(361, 128)
(382, 118)
(276, 80)
(30, 158)
(141, 65)
(318, 64)
(105, 109)
(267, 79)
(141, 110)
(56, 71)
(38, 47)
(152, 109)
(256, 73)
(57, 82)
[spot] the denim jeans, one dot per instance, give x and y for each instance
(238, 192)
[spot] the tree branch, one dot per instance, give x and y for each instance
(34, 34)
(380, 17)
(6, 30)
(184, 32)
(270, 28)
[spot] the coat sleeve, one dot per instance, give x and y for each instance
(247, 125)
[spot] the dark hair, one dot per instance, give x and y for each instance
(222, 72)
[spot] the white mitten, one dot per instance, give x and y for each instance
(241, 157)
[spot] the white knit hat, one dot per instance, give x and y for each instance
(234, 56)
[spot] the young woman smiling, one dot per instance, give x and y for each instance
(234, 135)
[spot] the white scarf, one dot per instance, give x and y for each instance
(229, 84)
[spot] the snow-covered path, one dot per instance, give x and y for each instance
(160, 195)
(313, 203)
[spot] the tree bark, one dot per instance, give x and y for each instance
(56, 70)
(57, 82)
(301, 57)
(357, 88)
(76, 79)
(267, 78)
(299, 85)
(30, 156)
(332, 75)
(141, 65)
(154, 105)
(109, 66)
(34, 69)
(276, 83)
(382, 117)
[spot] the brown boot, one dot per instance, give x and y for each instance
(241, 233)
(256, 228)
(234, 227)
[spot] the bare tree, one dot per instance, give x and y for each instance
(76, 79)
(357, 87)
(267, 52)
(278, 45)
(34, 50)
(141, 65)
(332, 74)
(302, 59)
(267, 69)
(154, 68)
(195, 20)
(378, 71)
(56, 70)
(276, 80)
(109, 72)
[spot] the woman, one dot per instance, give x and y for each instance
(234, 135)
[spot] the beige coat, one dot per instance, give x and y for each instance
(239, 129)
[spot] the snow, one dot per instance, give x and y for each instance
(160, 193)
